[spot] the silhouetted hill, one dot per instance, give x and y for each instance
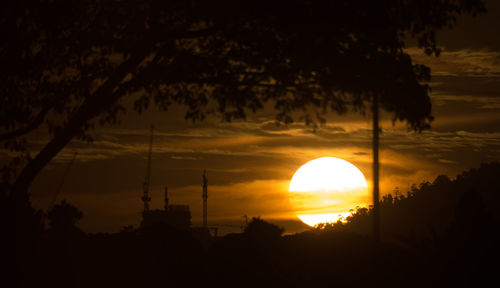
(429, 210)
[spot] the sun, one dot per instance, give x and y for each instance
(325, 189)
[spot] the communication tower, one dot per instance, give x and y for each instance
(205, 196)
(145, 197)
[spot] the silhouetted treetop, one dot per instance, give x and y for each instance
(260, 229)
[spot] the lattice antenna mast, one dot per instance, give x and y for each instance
(205, 196)
(166, 198)
(145, 197)
(61, 184)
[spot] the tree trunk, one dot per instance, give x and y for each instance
(105, 96)
(376, 206)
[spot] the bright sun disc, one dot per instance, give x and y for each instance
(325, 189)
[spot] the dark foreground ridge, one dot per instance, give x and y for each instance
(437, 234)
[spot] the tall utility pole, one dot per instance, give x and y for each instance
(145, 197)
(205, 196)
(376, 206)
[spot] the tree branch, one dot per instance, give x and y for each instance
(37, 121)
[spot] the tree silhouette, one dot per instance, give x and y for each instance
(63, 217)
(260, 229)
(67, 65)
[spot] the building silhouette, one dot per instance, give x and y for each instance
(178, 216)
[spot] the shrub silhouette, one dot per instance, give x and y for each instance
(63, 217)
(258, 228)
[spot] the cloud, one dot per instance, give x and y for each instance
(273, 126)
(177, 157)
(258, 155)
(447, 161)
(482, 102)
(465, 62)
